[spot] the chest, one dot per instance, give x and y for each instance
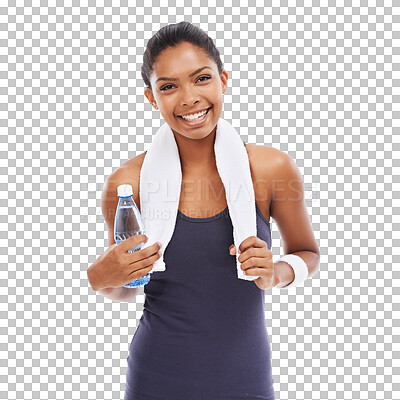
(204, 196)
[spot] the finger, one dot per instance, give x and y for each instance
(251, 241)
(257, 262)
(137, 273)
(256, 271)
(144, 253)
(145, 262)
(262, 252)
(131, 241)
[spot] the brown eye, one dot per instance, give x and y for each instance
(165, 87)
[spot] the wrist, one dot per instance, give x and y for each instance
(284, 274)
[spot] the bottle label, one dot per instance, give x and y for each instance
(120, 237)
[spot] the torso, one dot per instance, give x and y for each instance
(205, 197)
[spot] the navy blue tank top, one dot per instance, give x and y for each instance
(202, 335)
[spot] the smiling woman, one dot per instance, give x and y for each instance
(202, 334)
(189, 340)
(187, 82)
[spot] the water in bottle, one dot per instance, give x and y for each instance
(128, 223)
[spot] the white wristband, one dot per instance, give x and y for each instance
(299, 267)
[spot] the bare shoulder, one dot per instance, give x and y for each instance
(127, 173)
(130, 171)
(266, 154)
(266, 162)
(133, 163)
(270, 170)
(269, 163)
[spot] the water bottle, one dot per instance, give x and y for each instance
(128, 223)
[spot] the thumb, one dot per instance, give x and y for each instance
(232, 250)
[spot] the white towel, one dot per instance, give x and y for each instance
(161, 180)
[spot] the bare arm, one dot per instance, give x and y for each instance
(119, 294)
(109, 202)
(289, 211)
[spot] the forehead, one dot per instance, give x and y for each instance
(180, 61)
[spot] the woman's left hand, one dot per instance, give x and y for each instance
(256, 260)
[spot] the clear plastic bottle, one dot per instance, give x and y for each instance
(127, 223)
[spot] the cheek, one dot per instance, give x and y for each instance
(218, 97)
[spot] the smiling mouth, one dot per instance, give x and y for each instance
(208, 109)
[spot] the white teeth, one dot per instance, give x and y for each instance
(194, 116)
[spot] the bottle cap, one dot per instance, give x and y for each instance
(125, 190)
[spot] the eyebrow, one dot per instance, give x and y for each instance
(176, 79)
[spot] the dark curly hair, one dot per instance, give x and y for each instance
(172, 35)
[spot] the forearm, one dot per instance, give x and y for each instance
(284, 274)
(119, 294)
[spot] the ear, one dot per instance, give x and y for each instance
(224, 81)
(149, 95)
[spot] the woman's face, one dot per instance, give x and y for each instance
(187, 92)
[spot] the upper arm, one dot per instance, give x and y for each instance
(128, 174)
(288, 207)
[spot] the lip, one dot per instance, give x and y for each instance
(195, 112)
(199, 122)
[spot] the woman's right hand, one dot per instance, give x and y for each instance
(116, 267)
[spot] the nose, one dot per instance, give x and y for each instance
(189, 98)
(190, 104)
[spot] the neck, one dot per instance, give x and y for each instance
(197, 155)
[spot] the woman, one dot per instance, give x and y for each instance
(203, 338)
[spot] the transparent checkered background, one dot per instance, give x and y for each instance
(318, 82)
